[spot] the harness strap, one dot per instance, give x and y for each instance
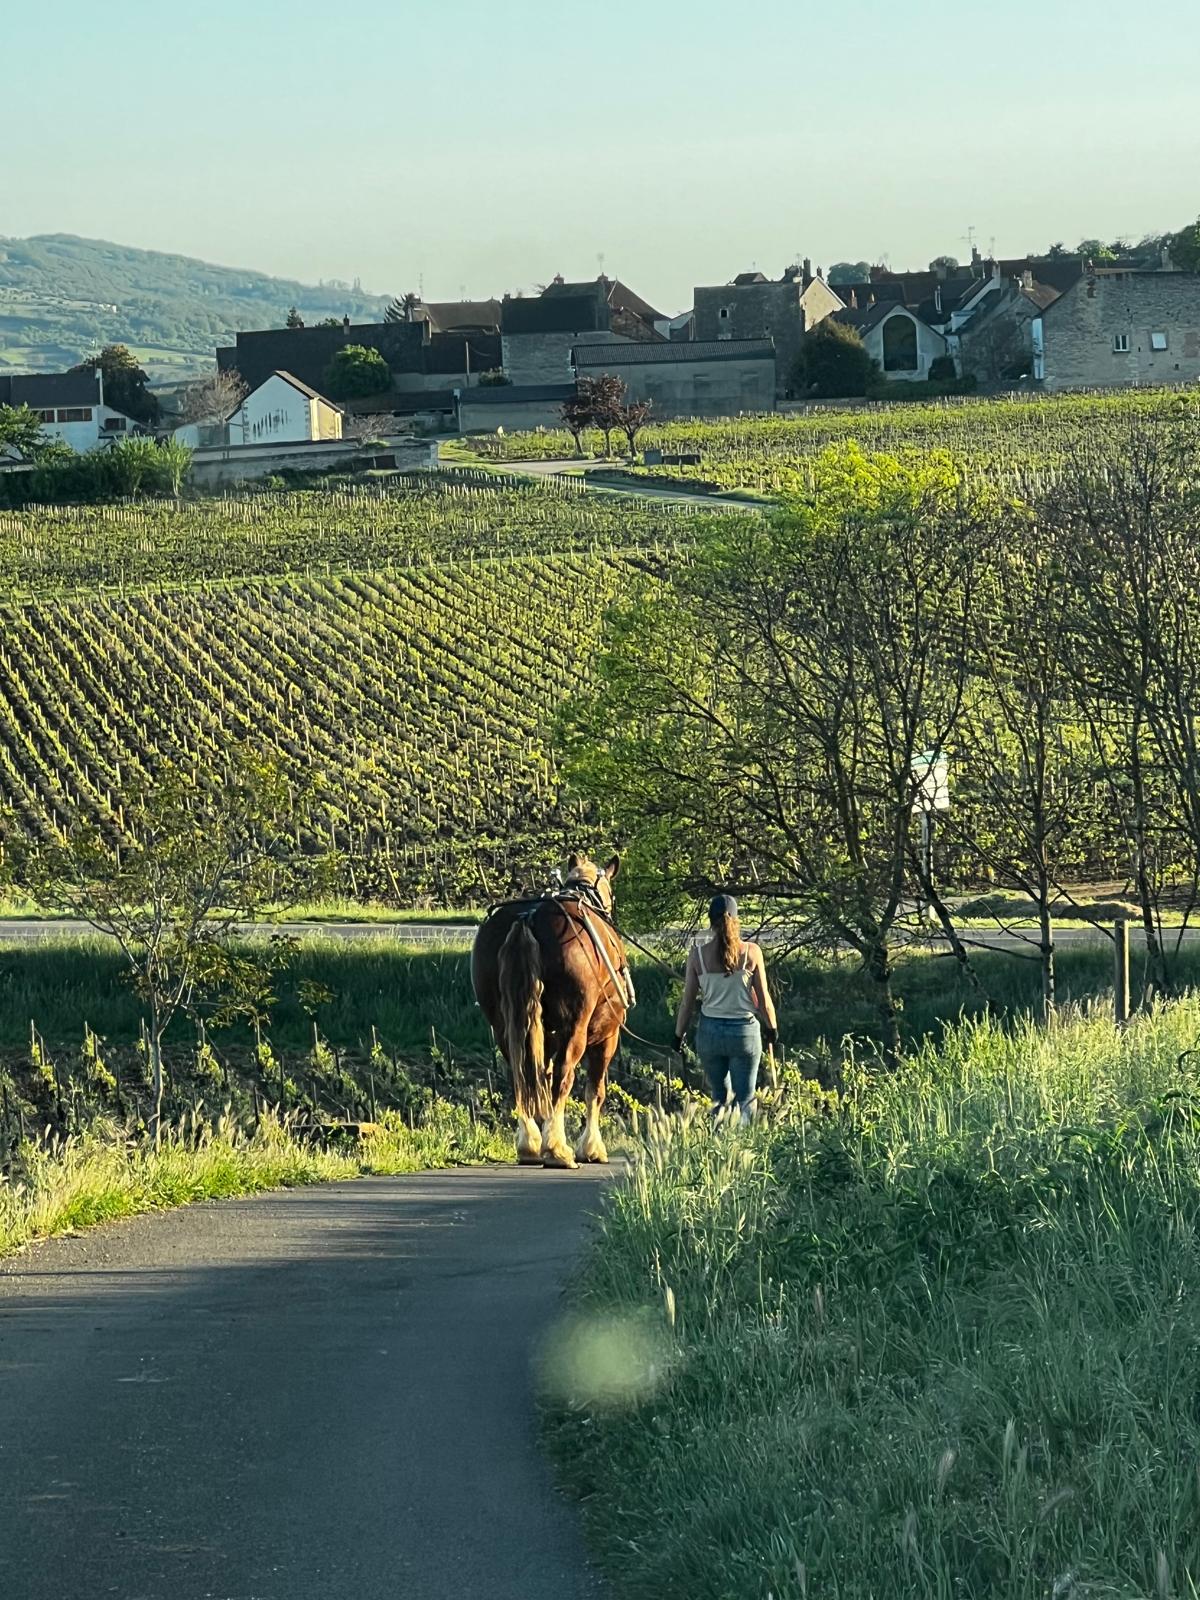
(623, 983)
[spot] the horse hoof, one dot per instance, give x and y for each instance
(596, 1158)
(562, 1159)
(526, 1160)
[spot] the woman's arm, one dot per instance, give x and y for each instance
(691, 988)
(760, 991)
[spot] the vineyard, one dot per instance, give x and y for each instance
(407, 681)
(772, 454)
(423, 519)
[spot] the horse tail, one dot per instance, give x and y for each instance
(520, 974)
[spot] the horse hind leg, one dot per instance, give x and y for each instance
(529, 1142)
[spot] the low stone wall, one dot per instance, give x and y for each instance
(217, 467)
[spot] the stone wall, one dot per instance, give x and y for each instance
(754, 311)
(539, 358)
(700, 388)
(1081, 330)
(217, 467)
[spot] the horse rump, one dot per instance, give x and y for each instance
(520, 984)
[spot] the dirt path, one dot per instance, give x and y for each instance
(317, 1395)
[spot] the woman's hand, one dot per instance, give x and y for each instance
(770, 1035)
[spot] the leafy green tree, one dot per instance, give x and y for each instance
(1185, 247)
(833, 362)
(203, 851)
(944, 263)
(357, 372)
(294, 319)
(1095, 250)
(758, 710)
(21, 429)
(124, 382)
(329, 322)
(848, 272)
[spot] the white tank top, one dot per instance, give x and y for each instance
(726, 994)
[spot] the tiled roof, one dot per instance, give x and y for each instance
(458, 316)
(598, 356)
(557, 313)
(507, 394)
(304, 388)
(41, 390)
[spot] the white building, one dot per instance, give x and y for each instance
(71, 407)
(284, 410)
(898, 338)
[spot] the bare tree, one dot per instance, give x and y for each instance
(215, 397)
(1124, 512)
(634, 417)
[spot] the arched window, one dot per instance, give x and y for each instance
(900, 344)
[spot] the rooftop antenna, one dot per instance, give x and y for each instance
(969, 237)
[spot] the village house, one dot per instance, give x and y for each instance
(70, 406)
(539, 333)
(901, 341)
(421, 358)
(1118, 328)
(754, 306)
(714, 378)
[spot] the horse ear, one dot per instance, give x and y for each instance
(572, 861)
(612, 867)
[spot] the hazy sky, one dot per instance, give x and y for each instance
(484, 145)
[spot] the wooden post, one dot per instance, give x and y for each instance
(1121, 975)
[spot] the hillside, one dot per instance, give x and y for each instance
(62, 297)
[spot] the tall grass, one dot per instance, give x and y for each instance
(940, 1339)
(103, 1176)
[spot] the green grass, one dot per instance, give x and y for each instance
(938, 1341)
(104, 1176)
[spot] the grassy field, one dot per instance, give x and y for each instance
(935, 1340)
(387, 1026)
(772, 454)
(63, 1185)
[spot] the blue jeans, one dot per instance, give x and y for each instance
(730, 1050)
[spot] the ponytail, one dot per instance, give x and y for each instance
(728, 930)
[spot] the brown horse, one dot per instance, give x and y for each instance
(551, 1001)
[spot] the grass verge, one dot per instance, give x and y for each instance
(61, 1186)
(938, 1339)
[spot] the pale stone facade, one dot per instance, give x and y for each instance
(1117, 328)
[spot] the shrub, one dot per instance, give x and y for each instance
(356, 372)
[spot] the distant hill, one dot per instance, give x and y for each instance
(62, 297)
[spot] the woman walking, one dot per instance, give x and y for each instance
(728, 977)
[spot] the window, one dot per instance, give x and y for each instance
(900, 344)
(1120, 343)
(724, 313)
(45, 416)
(1158, 341)
(76, 414)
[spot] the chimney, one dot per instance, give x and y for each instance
(937, 299)
(346, 326)
(854, 299)
(807, 268)
(1027, 279)
(976, 258)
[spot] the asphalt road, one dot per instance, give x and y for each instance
(323, 1394)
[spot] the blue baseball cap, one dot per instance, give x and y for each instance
(722, 905)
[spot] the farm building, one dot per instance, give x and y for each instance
(1116, 327)
(71, 407)
(713, 378)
